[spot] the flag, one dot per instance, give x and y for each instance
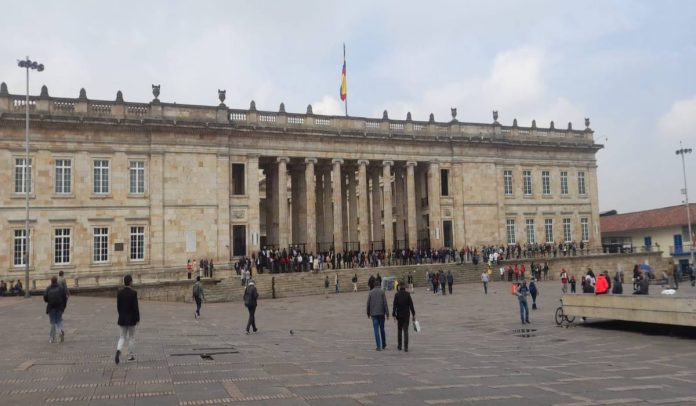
(344, 88)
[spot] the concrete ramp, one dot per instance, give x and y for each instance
(647, 309)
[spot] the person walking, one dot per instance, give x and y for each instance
(326, 286)
(572, 283)
(198, 296)
(533, 292)
(443, 281)
(522, 292)
(484, 279)
(64, 285)
(128, 317)
(409, 281)
(402, 308)
(55, 298)
(189, 268)
(336, 282)
(377, 310)
(355, 282)
(450, 281)
(564, 280)
(250, 301)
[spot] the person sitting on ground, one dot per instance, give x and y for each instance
(3, 288)
(643, 285)
(601, 286)
(18, 289)
(617, 289)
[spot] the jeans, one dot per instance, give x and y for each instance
(127, 333)
(403, 328)
(485, 287)
(378, 326)
(564, 289)
(55, 317)
(524, 310)
(449, 285)
(442, 285)
(252, 319)
(198, 305)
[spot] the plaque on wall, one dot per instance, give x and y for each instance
(118, 246)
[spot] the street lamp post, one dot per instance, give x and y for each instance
(27, 64)
(683, 151)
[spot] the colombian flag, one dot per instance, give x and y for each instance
(344, 87)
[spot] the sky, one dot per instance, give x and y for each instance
(627, 65)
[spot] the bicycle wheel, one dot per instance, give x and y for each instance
(559, 315)
(569, 319)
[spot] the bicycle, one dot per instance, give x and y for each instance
(561, 316)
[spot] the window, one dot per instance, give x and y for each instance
(531, 237)
(564, 183)
(61, 245)
(101, 176)
(585, 228)
(20, 247)
(136, 171)
(444, 182)
(510, 228)
(239, 241)
(527, 178)
(507, 182)
(447, 232)
(100, 244)
(137, 243)
(548, 230)
(567, 235)
(22, 175)
(581, 183)
(63, 180)
(238, 179)
(545, 183)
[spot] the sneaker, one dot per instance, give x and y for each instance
(255, 330)
(62, 336)
(118, 356)
(405, 349)
(384, 347)
(398, 348)
(50, 340)
(247, 332)
(528, 322)
(378, 349)
(131, 357)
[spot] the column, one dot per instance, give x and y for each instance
(387, 197)
(254, 217)
(318, 204)
(352, 207)
(364, 231)
(399, 191)
(328, 206)
(344, 206)
(337, 205)
(377, 231)
(271, 204)
(458, 201)
(411, 223)
(310, 206)
(282, 200)
(223, 187)
(299, 209)
(436, 239)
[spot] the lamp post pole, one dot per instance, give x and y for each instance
(27, 64)
(683, 151)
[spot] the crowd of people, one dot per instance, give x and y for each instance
(204, 267)
(11, 288)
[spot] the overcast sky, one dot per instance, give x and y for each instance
(628, 65)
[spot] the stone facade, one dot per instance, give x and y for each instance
(213, 182)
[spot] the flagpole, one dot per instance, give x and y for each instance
(344, 62)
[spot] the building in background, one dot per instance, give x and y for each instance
(118, 185)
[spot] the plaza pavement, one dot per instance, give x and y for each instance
(472, 350)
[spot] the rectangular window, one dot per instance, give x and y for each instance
(100, 244)
(63, 179)
(238, 241)
(61, 245)
(545, 183)
(510, 228)
(581, 183)
(101, 176)
(564, 183)
(527, 178)
(238, 179)
(136, 171)
(447, 233)
(507, 182)
(585, 228)
(548, 230)
(22, 176)
(567, 232)
(444, 182)
(137, 243)
(20, 247)
(531, 237)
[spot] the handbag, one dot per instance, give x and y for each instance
(416, 326)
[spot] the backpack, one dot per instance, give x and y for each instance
(197, 290)
(55, 296)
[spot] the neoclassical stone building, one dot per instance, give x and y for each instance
(115, 184)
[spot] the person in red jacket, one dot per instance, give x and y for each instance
(601, 285)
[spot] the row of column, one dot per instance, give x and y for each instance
(334, 203)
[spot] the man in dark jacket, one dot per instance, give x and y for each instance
(128, 317)
(443, 281)
(401, 309)
(377, 310)
(450, 281)
(55, 299)
(250, 298)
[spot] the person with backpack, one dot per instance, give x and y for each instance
(128, 318)
(198, 297)
(521, 292)
(250, 301)
(55, 299)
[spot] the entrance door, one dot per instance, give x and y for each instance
(238, 241)
(447, 231)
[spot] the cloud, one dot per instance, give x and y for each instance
(679, 122)
(329, 106)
